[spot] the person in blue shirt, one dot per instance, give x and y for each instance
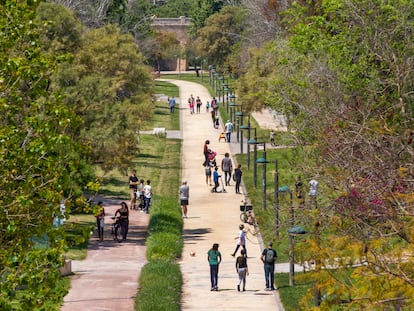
(216, 177)
(171, 103)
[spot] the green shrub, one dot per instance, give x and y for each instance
(164, 245)
(160, 283)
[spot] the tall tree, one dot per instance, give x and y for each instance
(37, 155)
(109, 87)
(219, 38)
(202, 10)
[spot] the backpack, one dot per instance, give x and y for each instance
(270, 256)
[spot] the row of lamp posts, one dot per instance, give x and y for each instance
(226, 96)
(293, 231)
(221, 88)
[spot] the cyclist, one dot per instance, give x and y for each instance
(123, 219)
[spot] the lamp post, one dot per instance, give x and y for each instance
(232, 106)
(252, 142)
(249, 140)
(225, 87)
(242, 127)
(264, 162)
(228, 95)
(216, 76)
(276, 199)
(210, 73)
(179, 67)
(218, 90)
(286, 189)
(239, 115)
(255, 143)
(226, 91)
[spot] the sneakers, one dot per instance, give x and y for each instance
(232, 255)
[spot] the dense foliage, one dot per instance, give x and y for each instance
(70, 98)
(38, 154)
(343, 76)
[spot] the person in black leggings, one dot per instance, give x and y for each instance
(123, 219)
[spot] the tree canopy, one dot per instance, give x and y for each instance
(38, 153)
(343, 75)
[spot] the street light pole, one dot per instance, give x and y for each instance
(291, 232)
(264, 162)
(276, 199)
(248, 145)
(291, 244)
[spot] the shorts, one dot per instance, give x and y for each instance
(184, 201)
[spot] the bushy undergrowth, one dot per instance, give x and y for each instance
(160, 283)
(165, 231)
(161, 279)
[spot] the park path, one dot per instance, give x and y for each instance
(108, 278)
(214, 218)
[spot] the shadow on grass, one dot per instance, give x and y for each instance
(146, 156)
(161, 112)
(114, 181)
(114, 195)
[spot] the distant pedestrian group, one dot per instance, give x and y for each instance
(268, 257)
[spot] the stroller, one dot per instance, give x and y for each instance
(219, 189)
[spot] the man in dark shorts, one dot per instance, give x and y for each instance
(184, 192)
(133, 187)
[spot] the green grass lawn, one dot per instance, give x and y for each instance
(162, 116)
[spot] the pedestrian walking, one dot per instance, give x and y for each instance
(100, 220)
(123, 219)
(237, 178)
(242, 270)
(227, 168)
(147, 196)
(214, 105)
(171, 103)
(228, 129)
(184, 192)
(133, 186)
(241, 241)
(213, 117)
(268, 258)
(140, 195)
(214, 259)
(207, 106)
(191, 102)
(272, 138)
(206, 152)
(216, 177)
(208, 173)
(198, 104)
(216, 121)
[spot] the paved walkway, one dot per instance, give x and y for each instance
(214, 218)
(108, 278)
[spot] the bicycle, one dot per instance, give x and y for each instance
(116, 229)
(246, 213)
